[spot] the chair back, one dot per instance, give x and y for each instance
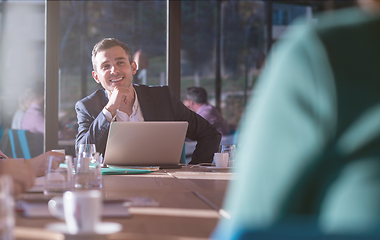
(19, 143)
(25, 144)
(183, 154)
(1, 132)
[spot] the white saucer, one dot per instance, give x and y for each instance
(102, 228)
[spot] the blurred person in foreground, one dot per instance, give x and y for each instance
(196, 100)
(309, 144)
(24, 171)
(121, 100)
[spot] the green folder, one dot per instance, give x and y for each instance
(116, 170)
(122, 171)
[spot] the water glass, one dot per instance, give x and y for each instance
(58, 180)
(88, 149)
(88, 173)
(7, 219)
(230, 149)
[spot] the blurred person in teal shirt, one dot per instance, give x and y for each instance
(308, 161)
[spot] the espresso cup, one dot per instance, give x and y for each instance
(81, 210)
(221, 160)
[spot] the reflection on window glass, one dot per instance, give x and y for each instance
(244, 44)
(22, 28)
(140, 24)
(242, 51)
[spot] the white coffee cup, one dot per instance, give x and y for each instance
(81, 210)
(221, 160)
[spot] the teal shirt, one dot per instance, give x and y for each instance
(309, 144)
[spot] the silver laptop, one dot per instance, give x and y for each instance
(145, 143)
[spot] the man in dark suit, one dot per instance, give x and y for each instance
(121, 100)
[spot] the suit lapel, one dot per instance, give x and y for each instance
(146, 104)
(105, 99)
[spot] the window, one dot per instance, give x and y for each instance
(226, 38)
(22, 40)
(243, 45)
(140, 24)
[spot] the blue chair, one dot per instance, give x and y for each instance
(25, 144)
(1, 132)
(236, 135)
(183, 154)
(18, 141)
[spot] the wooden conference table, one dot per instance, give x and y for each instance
(188, 202)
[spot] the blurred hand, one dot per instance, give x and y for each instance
(2, 155)
(39, 163)
(21, 173)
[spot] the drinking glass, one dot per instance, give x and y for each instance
(88, 172)
(7, 220)
(58, 180)
(230, 149)
(88, 149)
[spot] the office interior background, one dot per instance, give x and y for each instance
(221, 45)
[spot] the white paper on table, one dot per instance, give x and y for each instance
(38, 208)
(35, 206)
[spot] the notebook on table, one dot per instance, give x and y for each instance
(133, 144)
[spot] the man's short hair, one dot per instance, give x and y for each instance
(107, 43)
(197, 94)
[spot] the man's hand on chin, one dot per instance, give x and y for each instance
(118, 96)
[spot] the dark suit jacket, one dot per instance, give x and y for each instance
(157, 103)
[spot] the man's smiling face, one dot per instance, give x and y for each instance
(113, 68)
